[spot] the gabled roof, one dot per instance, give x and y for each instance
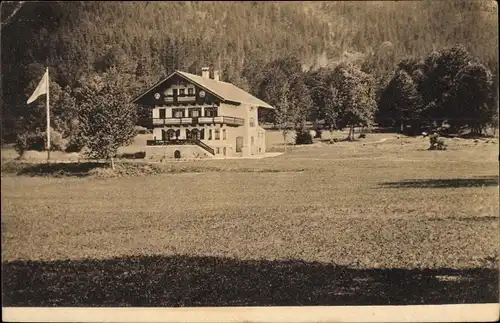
(223, 90)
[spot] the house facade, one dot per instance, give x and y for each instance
(197, 116)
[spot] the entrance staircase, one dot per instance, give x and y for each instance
(197, 142)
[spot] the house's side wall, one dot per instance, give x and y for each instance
(249, 130)
(253, 131)
(226, 109)
(218, 144)
(261, 140)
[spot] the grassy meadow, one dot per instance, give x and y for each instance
(378, 221)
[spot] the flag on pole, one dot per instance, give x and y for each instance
(42, 87)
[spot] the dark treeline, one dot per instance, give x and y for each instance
(140, 42)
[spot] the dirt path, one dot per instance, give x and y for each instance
(379, 141)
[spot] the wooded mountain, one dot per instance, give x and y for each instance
(150, 39)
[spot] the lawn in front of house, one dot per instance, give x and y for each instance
(379, 204)
(381, 221)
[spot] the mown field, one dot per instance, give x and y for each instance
(380, 221)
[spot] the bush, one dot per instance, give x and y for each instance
(75, 144)
(303, 138)
(57, 142)
(142, 130)
(436, 142)
(136, 155)
(37, 141)
(28, 141)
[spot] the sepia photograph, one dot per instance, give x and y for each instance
(250, 157)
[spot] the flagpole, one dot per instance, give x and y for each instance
(48, 118)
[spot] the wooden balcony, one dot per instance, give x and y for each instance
(172, 121)
(180, 98)
(187, 98)
(230, 121)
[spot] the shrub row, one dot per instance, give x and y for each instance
(37, 141)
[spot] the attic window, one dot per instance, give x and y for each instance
(190, 91)
(182, 92)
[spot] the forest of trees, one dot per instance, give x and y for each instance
(400, 55)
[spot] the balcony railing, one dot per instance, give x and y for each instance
(233, 121)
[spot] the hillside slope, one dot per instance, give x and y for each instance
(150, 39)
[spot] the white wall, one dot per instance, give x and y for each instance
(246, 131)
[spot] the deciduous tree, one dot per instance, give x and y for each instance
(106, 115)
(354, 97)
(283, 87)
(401, 100)
(472, 96)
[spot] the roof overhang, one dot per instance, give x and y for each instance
(183, 77)
(187, 79)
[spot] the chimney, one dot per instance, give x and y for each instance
(216, 75)
(205, 72)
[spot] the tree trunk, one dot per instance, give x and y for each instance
(284, 139)
(112, 163)
(351, 133)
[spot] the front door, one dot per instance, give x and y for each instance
(195, 134)
(239, 144)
